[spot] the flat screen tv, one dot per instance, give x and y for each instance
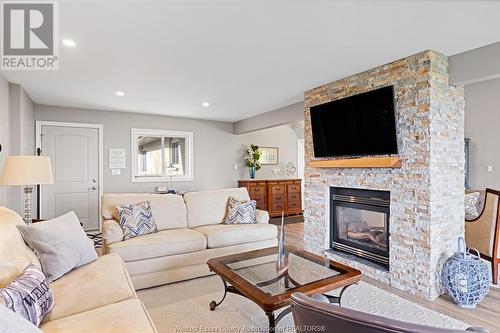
(358, 125)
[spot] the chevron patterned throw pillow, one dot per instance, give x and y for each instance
(239, 212)
(136, 219)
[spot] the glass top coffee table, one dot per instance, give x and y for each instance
(255, 276)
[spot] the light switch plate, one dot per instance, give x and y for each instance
(116, 172)
(490, 168)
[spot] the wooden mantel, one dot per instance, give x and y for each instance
(363, 162)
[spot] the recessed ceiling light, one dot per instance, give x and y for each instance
(69, 42)
(205, 104)
(120, 93)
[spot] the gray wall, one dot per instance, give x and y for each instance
(22, 121)
(285, 115)
(17, 135)
(475, 65)
(284, 137)
(4, 132)
(479, 71)
(22, 139)
(482, 126)
(216, 149)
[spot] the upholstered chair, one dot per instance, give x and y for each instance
(482, 232)
(314, 315)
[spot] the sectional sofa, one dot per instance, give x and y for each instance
(97, 297)
(190, 231)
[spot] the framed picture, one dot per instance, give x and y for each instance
(269, 155)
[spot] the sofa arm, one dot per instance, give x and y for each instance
(262, 216)
(111, 232)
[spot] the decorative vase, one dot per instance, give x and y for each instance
(251, 172)
(465, 277)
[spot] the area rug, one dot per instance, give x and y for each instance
(183, 307)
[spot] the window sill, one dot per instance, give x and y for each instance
(162, 179)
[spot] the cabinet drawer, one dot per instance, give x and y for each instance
(278, 198)
(261, 202)
(277, 189)
(294, 188)
(277, 207)
(294, 196)
(256, 190)
(293, 205)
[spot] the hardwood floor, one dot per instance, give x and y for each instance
(486, 314)
(294, 234)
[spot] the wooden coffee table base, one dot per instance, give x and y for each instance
(254, 275)
(274, 320)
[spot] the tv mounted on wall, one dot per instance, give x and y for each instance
(358, 125)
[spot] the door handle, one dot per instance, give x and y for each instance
(93, 188)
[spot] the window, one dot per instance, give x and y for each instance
(161, 155)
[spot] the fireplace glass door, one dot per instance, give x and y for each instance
(359, 225)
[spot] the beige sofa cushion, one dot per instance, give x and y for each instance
(128, 316)
(183, 260)
(231, 234)
(169, 210)
(179, 267)
(102, 282)
(210, 207)
(15, 255)
(163, 243)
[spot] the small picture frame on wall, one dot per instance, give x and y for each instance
(269, 155)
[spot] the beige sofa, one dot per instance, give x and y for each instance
(98, 297)
(190, 231)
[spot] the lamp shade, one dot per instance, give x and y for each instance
(26, 170)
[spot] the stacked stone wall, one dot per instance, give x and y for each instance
(427, 192)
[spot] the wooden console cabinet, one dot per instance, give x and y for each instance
(275, 196)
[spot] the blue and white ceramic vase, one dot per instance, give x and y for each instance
(251, 172)
(465, 277)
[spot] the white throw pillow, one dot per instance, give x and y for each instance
(60, 244)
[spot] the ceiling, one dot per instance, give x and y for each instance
(244, 57)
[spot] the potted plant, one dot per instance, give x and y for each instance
(252, 160)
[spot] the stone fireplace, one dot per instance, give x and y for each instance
(425, 195)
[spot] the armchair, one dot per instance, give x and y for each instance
(310, 313)
(483, 232)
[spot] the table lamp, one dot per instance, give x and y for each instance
(28, 171)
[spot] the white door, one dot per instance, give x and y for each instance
(74, 153)
(301, 163)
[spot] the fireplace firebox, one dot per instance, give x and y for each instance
(359, 223)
